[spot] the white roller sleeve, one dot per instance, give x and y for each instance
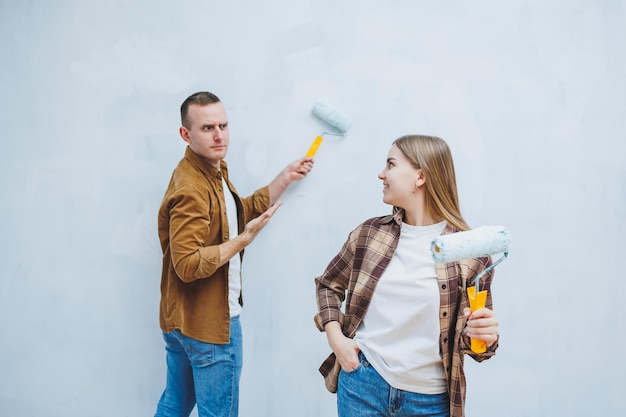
(332, 117)
(481, 241)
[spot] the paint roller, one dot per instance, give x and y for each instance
(475, 243)
(339, 122)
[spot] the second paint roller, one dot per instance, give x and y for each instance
(339, 122)
(475, 243)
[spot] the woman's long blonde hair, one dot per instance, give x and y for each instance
(432, 155)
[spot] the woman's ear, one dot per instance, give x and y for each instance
(421, 180)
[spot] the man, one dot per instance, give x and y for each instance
(204, 227)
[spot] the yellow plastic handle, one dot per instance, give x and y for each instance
(477, 302)
(314, 146)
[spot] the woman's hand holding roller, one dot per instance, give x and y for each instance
(482, 324)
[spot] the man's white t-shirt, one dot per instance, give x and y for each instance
(234, 265)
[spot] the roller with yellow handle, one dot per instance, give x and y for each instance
(339, 122)
(316, 144)
(475, 243)
(477, 302)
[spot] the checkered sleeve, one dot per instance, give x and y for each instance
(331, 286)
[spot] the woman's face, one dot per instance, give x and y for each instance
(400, 179)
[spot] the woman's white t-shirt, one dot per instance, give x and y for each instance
(399, 334)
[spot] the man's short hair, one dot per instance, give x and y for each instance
(201, 98)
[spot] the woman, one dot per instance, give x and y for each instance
(398, 348)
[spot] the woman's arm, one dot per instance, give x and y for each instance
(345, 349)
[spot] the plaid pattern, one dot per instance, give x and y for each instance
(352, 276)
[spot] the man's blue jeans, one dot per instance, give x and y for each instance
(363, 392)
(202, 373)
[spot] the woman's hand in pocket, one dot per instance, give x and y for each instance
(345, 349)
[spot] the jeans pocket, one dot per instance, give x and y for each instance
(353, 371)
(358, 367)
(199, 353)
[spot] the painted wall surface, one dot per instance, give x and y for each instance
(530, 95)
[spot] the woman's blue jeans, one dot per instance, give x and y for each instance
(364, 393)
(202, 373)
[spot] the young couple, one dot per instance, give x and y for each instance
(398, 323)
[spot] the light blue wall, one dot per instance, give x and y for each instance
(530, 95)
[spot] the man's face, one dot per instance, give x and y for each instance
(207, 134)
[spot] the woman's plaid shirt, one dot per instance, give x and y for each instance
(352, 276)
